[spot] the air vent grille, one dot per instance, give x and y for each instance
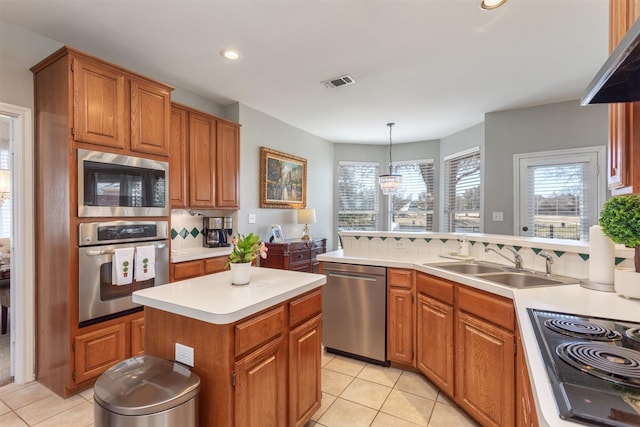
(339, 81)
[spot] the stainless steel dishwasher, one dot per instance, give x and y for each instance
(354, 311)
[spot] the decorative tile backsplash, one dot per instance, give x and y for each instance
(569, 259)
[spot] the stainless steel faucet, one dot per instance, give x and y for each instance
(517, 259)
(547, 256)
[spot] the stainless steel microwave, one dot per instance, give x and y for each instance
(114, 185)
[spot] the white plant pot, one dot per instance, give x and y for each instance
(627, 282)
(240, 273)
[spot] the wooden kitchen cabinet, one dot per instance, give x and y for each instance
(435, 331)
(116, 109)
(526, 414)
(261, 370)
(485, 357)
(137, 337)
(295, 254)
(205, 161)
(401, 316)
(624, 118)
(199, 267)
(82, 102)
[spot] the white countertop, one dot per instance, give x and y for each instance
(572, 299)
(199, 252)
(213, 299)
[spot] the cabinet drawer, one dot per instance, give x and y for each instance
(495, 309)
(305, 307)
(215, 265)
(185, 270)
(435, 287)
(299, 256)
(316, 251)
(400, 278)
(258, 330)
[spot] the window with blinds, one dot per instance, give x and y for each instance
(412, 205)
(6, 133)
(461, 207)
(358, 196)
(558, 195)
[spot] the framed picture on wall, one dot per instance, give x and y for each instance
(283, 180)
(276, 231)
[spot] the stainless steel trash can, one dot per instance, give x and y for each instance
(146, 391)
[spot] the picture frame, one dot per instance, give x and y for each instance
(283, 180)
(276, 231)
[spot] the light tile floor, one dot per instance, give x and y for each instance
(354, 393)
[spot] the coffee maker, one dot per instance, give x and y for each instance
(215, 231)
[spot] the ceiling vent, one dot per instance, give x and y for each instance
(339, 81)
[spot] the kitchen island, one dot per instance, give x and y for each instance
(256, 348)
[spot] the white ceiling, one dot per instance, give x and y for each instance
(434, 67)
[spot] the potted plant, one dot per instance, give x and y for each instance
(620, 221)
(245, 250)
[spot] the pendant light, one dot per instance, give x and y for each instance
(390, 183)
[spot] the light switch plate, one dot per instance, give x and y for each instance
(498, 216)
(184, 354)
(252, 218)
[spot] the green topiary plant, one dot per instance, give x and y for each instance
(620, 221)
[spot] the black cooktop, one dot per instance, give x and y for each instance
(593, 365)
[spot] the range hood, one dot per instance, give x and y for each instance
(619, 78)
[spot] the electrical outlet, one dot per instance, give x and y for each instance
(498, 216)
(399, 244)
(184, 354)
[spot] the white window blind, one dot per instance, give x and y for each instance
(412, 205)
(358, 196)
(559, 196)
(462, 192)
(6, 134)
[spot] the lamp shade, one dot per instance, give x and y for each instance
(307, 216)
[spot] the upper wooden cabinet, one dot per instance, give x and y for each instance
(116, 109)
(624, 119)
(205, 160)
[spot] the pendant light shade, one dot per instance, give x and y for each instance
(390, 183)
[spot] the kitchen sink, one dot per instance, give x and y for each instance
(467, 267)
(503, 275)
(525, 279)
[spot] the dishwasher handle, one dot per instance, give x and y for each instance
(342, 275)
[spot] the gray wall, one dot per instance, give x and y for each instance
(528, 130)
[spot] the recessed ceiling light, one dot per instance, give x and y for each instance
(491, 4)
(230, 54)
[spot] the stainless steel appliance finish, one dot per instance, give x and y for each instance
(354, 307)
(146, 391)
(99, 299)
(215, 232)
(114, 185)
(593, 365)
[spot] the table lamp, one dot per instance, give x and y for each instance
(306, 217)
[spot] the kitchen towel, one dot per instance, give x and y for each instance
(145, 263)
(602, 254)
(122, 266)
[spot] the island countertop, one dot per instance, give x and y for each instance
(213, 299)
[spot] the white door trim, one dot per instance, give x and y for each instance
(23, 247)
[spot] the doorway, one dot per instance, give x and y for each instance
(17, 156)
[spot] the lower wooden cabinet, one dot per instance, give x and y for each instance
(526, 414)
(189, 269)
(400, 316)
(261, 386)
(137, 337)
(305, 394)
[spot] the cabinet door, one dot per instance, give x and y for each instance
(137, 337)
(485, 371)
(178, 157)
(400, 326)
(100, 109)
(97, 351)
(261, 387)
(150, 117)
(202, 164)
(526, 414)
(435, 342)
(304, 371)
(228, 166)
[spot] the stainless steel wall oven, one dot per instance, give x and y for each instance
(114, 185)
(100, 297)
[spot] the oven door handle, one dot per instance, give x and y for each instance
(110, 252)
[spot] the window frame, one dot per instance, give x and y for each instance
(444, 214)
(389, 201)
(596, 153)
(376, 203)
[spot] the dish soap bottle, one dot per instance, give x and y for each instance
(463, 249)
